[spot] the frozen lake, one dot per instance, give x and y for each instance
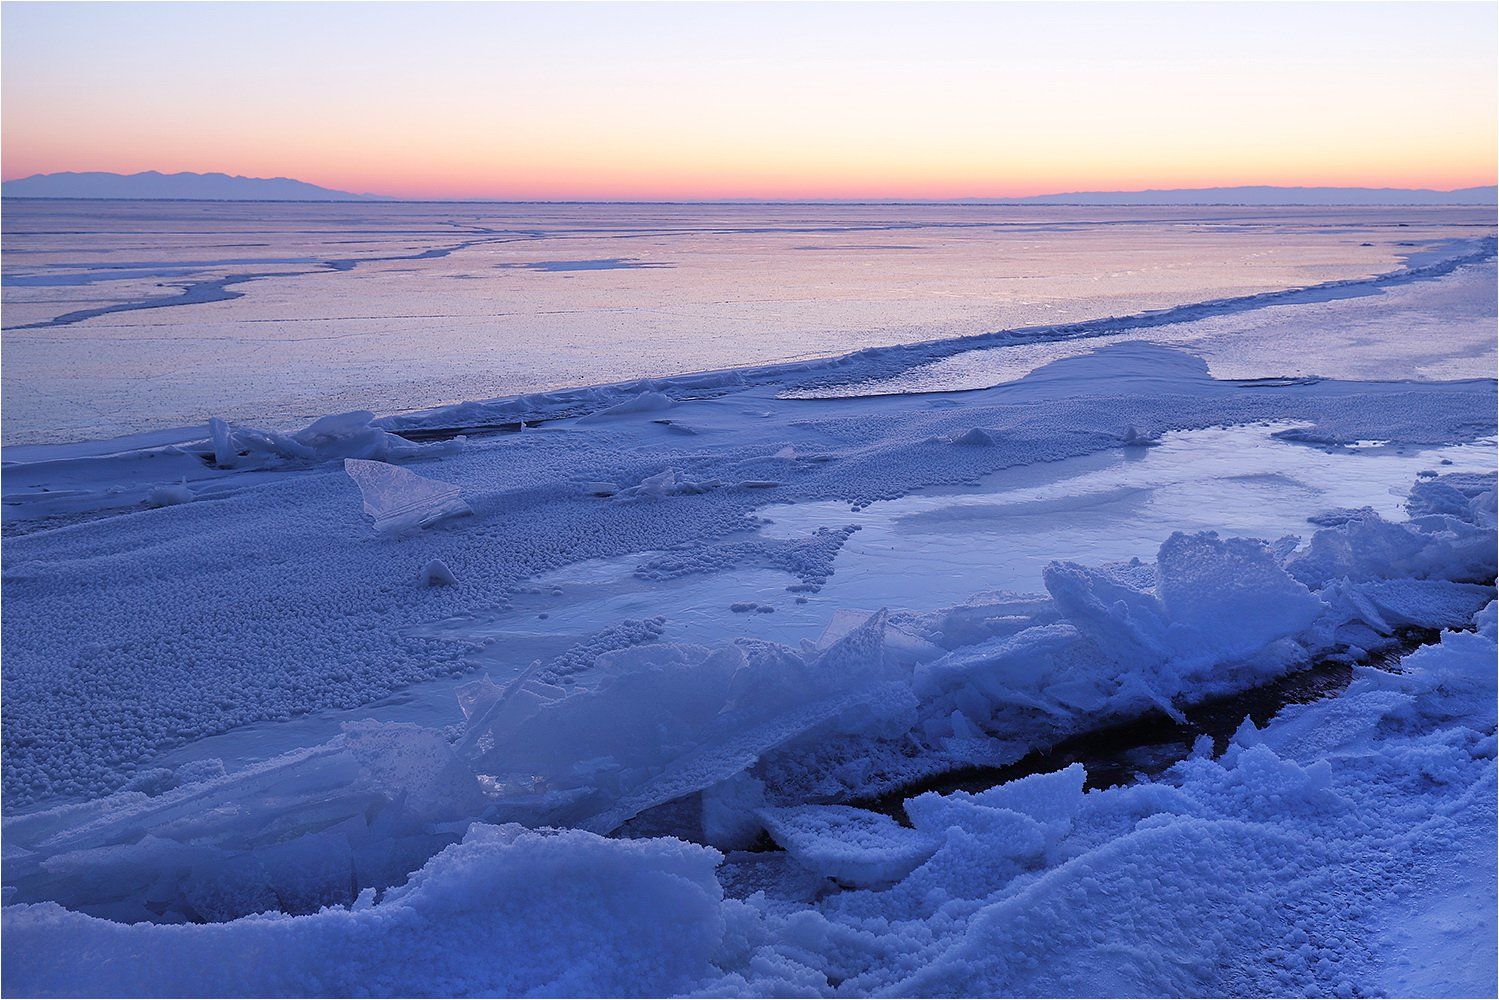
(123, 317)
(1093, 479)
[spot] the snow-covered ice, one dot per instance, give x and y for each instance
(815, 699)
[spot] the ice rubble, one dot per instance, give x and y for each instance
(763, 730)
(1293, 863)
(975, 437)
(339, 435)
(668, 483)
(851, 846)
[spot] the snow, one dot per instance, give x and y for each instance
(585, 740)
(469, 921)
(167, 495)
(646, 402)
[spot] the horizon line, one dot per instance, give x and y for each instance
(972, 202)
(1132, 196)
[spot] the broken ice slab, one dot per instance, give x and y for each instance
(399, 500)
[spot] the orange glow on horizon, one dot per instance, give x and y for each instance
(707, 178)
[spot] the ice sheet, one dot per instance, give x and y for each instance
(264, 306)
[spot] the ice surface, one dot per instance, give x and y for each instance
(608, 686)
(659, 722)
(338, 281)
(1441, 331)
(305, 578)
(1001, 531)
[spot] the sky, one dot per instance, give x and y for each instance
(727, 100)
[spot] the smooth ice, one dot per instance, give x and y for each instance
(132, 317)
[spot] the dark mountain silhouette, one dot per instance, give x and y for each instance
(153, 184)
(1264, 195)
(224, 187)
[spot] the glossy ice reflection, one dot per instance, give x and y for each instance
(130, 316)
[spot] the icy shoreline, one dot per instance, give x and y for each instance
(615, 749)
(1299, 842)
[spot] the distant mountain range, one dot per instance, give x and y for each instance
(1263, 195)
(224, 187)
(185, 186)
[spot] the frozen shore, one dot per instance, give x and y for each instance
(592, 692)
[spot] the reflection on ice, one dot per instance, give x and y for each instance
(938, 546)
